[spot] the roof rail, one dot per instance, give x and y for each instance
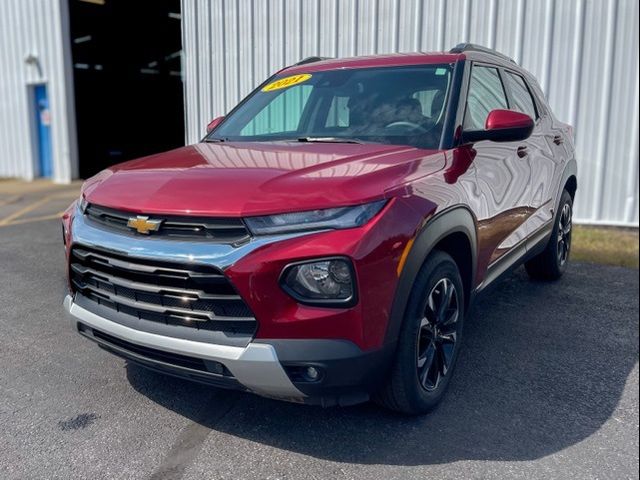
(472, 47)
(304, 61)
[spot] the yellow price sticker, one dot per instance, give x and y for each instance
(286, 82)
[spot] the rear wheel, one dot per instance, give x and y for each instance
(429, 339)
(552, 262)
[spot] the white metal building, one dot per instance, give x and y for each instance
(35, 51)
(584, 52)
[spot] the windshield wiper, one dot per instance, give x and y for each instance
(327, 140)
(301, 139)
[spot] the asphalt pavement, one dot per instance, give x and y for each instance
(546, 387)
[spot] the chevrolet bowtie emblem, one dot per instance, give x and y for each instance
(143, 225)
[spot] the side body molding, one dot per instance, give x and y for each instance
(452, 220)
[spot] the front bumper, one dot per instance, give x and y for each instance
(264, 367)
(255, 367)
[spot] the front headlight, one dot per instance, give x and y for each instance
(82, 204)
(327, 219)
(326, 282)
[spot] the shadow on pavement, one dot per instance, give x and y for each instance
(543, 367)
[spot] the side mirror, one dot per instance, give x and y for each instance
(214, 123)
(502, 126)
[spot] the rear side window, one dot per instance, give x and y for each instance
(431, 103)
(486, 93)
(338, 115)
(521, 96)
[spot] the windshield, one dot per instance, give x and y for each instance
(392, 105)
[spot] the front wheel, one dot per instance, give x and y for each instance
(429, 339)
(552, 262)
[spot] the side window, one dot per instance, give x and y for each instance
(281, 115)
(486, 93)
(338, 115)
(431, 101)
(522, 100)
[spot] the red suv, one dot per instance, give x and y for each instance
(324, 241)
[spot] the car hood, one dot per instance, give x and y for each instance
(244, 179)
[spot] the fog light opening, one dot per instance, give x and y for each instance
(305, 373)
(311, 374)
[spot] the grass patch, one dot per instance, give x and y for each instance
(607, 246)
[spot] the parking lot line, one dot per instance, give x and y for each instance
(13, 218)
(9, 200)
(33, 219)
(27, 209)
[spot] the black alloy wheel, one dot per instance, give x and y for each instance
(551, 263)
(437, 335)
(429, 339)
(564, 234)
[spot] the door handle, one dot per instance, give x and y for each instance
(558, 140)
(523, 151)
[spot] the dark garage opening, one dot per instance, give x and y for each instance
(127, 79)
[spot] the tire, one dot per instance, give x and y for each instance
(414, 385)
(552, 262)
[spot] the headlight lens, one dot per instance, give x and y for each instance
(329, 219)
(326, 281)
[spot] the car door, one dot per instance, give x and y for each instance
(502, 176)
(541, 153)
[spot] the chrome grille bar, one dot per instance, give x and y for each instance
(198, 296)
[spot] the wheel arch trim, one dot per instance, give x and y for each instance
(457, 219)
(570, 172)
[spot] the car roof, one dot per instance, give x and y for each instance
(372, 61)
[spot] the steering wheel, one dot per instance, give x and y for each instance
(410, 125)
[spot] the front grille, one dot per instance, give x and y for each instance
(218, 230)
(186, 295)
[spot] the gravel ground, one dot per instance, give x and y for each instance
(546, 387)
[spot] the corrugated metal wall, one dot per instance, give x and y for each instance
(584, 52)
(38, 28)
